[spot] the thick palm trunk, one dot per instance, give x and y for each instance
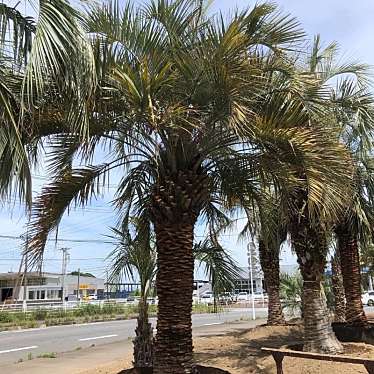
(175, 262)
(338, 289)
(176, 203)
(143, 341)
(311, 249)
(269, 258)
(350, 266)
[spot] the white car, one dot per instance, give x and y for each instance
(242, 296)
(368, 298)
(207, 298)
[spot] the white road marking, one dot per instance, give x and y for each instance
(214, 323)
(98, 337)
(19, 349)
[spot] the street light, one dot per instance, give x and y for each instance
(250, 249)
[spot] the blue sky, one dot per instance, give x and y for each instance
(349, 23)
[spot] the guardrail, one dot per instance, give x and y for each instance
(59, 305)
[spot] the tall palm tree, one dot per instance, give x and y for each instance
(265, 222)
(136, 256)
(354, 229)
(338, 289)
(178, 108)
(310, 235)
(269, 249)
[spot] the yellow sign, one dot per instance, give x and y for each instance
(83, 286)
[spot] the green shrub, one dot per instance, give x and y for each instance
(39, 314)
(6, 317)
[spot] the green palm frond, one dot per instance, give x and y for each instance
(71, 186)
(60, 53)
(220, 268)
(134, 255)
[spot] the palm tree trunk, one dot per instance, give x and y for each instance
(176, 203)
(269, 258)
(350, 266)
(175, 266)
(143, 341)
(338, 289)
(311, 248)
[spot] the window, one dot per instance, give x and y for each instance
(31, 295)
(42, 294)
(371, 293)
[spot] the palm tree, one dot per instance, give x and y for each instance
(137, 256)
(178, 108)
(271, 233)
(338, 289)
(291, 290)
(310, 229)
(354, 229)
(269, 258)
(33, 59)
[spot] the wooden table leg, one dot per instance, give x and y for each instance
(369, 367)
(278, 358)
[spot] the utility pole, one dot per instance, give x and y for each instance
(65, 260)
(107, 285)
(250, 249)
(78, 286)
(24, 278)
(24, 303)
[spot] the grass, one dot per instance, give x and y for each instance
(85, 313)
(48, 355)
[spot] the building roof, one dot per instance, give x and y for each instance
(289, 269)
(31, 274)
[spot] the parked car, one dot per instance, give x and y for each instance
(226, 298)
(207, 298)
(243, 296)
(368, 298)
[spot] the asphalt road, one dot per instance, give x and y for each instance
(18, 344)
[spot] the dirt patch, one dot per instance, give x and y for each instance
(240, 353)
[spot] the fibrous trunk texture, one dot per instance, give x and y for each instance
(350, 267)
(176, 205)
(338, 289)
(175, 263)
(269, 258)
(143, 341)
(310, 245)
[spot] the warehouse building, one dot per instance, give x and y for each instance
(47, 286)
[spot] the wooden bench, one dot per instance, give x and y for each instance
(278, 355)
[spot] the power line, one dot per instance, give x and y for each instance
(63, 240)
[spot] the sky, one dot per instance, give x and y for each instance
(349, 23)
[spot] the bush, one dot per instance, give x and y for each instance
(6, 317)
(39, 315)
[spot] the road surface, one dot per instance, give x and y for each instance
(15, 345)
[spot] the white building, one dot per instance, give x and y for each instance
(47, 286)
